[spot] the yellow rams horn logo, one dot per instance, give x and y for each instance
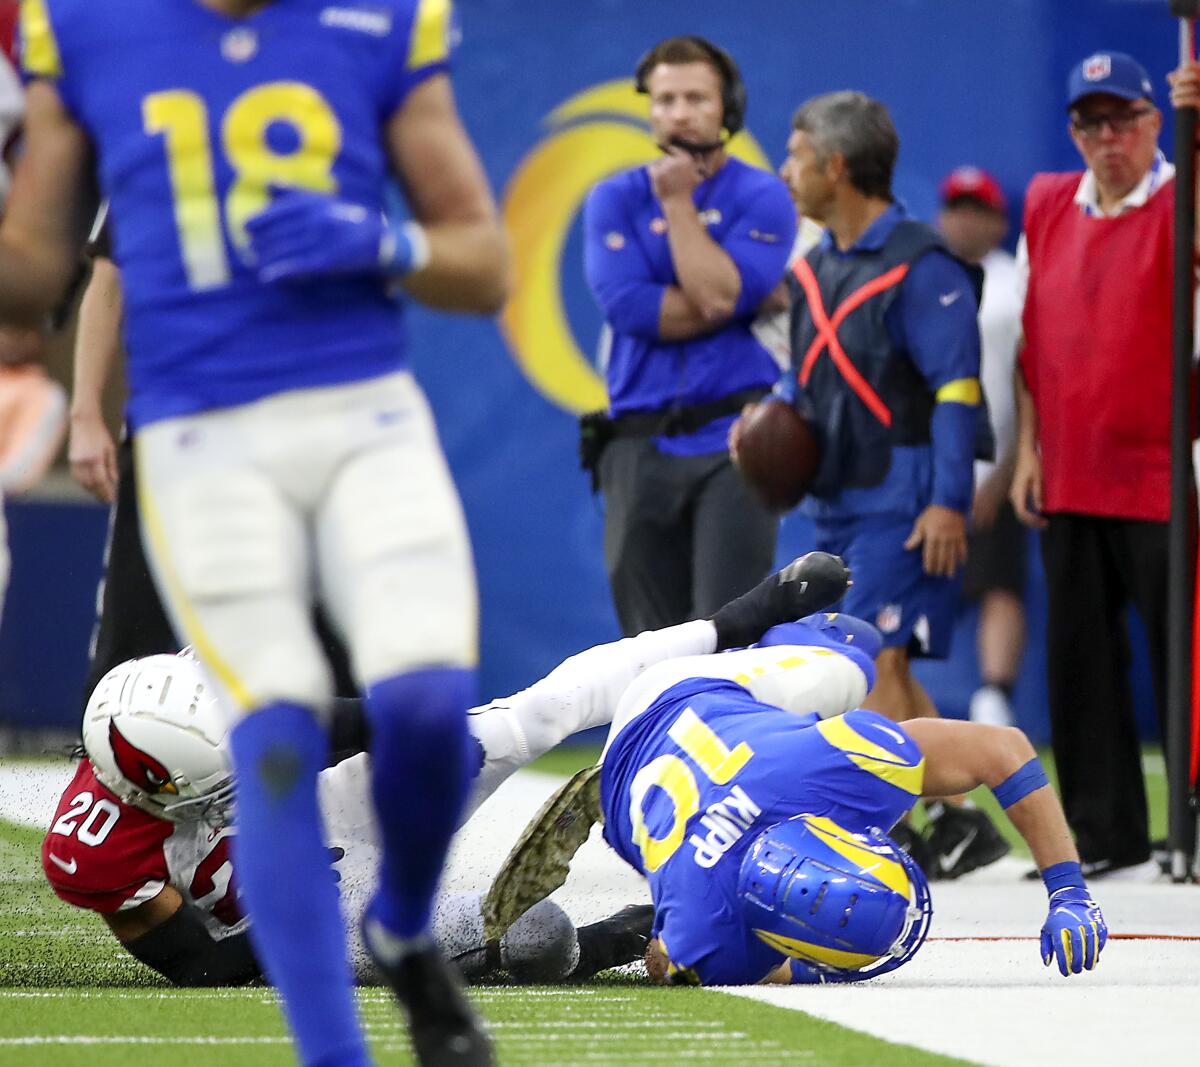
(594, 134)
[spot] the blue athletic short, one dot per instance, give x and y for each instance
(891, 589)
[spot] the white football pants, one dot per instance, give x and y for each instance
(249, 513)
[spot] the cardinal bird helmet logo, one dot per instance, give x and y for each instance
(139, 767)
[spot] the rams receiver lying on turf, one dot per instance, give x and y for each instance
(756, 810)
(757, 821)
(142, 833)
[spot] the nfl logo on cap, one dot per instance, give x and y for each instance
(1110, 73)
(1098, 67)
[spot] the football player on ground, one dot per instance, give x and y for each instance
(722, 786)
(155, 858)
(142, 834)
(757, 810)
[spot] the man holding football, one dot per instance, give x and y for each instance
(885, 363)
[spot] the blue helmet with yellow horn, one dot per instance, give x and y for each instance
(852, 905)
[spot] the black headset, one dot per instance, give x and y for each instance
(733, 89)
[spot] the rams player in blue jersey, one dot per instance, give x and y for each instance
(760, 824)
(284, 451)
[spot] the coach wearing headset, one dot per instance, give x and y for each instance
(680, 255)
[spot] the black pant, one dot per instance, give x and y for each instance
(132, 622)
(1095, 567)
(682, 534)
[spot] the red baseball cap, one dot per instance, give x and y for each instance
(975, 184)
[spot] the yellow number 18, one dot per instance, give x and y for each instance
(182, 119)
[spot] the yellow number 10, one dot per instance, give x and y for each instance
(182, 119)
(675, 778)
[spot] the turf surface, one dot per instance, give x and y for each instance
(69, 995)
(597, 1024)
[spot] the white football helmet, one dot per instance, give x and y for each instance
(157, 737)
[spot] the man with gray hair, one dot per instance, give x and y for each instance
(885, 362)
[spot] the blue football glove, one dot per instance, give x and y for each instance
(302, 235)
(1074, 932)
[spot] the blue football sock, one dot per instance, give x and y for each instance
(286, 883)
(422, 762)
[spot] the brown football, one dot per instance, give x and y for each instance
(777, 453)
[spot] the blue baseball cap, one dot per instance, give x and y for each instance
(1113, 73)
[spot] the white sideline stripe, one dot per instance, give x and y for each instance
(72, 932)
(486, 994)
(608, 1058)
(84, 1039)
(630, 1022)
(534, 1038)
(267, 997)
(141, 1039)
(99, 965)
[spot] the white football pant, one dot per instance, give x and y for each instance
(797, 678)
(342, 493)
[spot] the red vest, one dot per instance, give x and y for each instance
(1097, 354)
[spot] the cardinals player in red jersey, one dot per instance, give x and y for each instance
(146, 848)
(142, 834)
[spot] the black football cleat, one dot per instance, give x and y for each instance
(444, 1029)
(809, 583)
(613, 942)
(916, 846)
(962, 840)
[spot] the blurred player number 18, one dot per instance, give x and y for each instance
(675, 778)
(182, 118)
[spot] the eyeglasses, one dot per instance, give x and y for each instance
(1091, 126)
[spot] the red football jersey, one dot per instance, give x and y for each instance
(107, 856)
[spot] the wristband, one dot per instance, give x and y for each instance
(404, 248)
(1023, 781)
(1065, 875)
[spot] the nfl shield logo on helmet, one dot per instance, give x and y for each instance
(1098, 67)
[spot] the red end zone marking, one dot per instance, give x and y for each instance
(1111, 937)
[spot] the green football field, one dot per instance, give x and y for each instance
(70, 996)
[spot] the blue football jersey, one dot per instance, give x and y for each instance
(688, 785)
(196, 118)
(745, 210)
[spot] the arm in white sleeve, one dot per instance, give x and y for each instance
(579, 693)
